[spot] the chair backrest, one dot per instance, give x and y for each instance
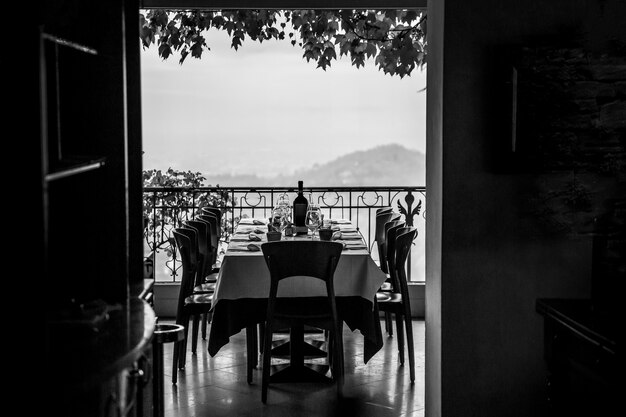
(379, 231)
(217, 212)
(204, 247)
(194, 254)
(382, 255)
(214, 232)
(304, 258)
(390, 244)
(313, 258)
(383, 210)
(381, 219)
(404, 241)
(184, 239)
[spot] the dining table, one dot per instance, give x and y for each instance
(243, 283)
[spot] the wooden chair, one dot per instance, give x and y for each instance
(381, 235)
(205, 280)
(382, 231)
(389, 248)
(382, 217)
(294, 260)
(216, 231)
(393, 228)
(190, 305)
(385, 252)
(397, 301)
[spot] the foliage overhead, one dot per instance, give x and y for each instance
(395, 39)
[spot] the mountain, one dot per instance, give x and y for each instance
(381, 166)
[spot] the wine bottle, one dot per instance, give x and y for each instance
(300, 205)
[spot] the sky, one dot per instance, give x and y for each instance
(264, 110)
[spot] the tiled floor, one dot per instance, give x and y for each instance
(216, 386)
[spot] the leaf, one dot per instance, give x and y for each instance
(229, 26)
(329, 53)
(165, 51)
(361, 47)
(218, 21)
(393, 41)
(323, 63)
(183, 55)
(308, 55)
(196, 50)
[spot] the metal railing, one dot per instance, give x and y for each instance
(166, 209)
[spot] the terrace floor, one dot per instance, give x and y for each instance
(216, 386)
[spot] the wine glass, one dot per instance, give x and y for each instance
(278, 220)
(283, 200)
(313, 218)
(286, 209)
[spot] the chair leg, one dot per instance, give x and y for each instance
(177, 346)
(400, 333)
(251, 349)
(205, 320)
(329, 338)
(194, 333)
(183, 348)
(408, 322)
(254, 346)
(388, 324)
(267, 357)
(261, 336)
(338, 364)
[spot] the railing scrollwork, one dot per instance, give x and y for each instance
(166, 208)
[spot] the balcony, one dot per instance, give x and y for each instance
(166, 209)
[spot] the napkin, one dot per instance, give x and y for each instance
(346, 235)
(350, 235)
(243, 247)
(354, 245)
(253, 248)
(247, 230)
(251, 221)
(254, 237)
(340, 221)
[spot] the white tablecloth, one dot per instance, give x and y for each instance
(244, 274)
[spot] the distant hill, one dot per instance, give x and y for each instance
(384, 165)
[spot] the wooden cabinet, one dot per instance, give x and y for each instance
(583, 360)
